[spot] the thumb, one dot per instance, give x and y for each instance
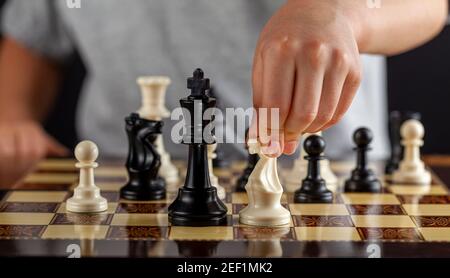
(54, 148)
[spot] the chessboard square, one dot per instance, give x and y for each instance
(140, 219)
(435, 234)
(427, 199)
(37, 196)
(318, 209)
(75, 232)
(393, 234)
(322, 221)
(109, 186)
(427, 209)
(22, 231)
(111, 171)
(242, 198)
(201, 233)
(432, 221)
(417, 190)
(137, 232)
(28, 207)
(264, 233)
(383, 221)
(369, 199)
(52, 178)
(81, 219)
(327, 233)
(375, 209)
(25, 218)
(57, 164)
(141, 208)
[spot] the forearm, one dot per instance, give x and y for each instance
(28, 83)
(397, 26)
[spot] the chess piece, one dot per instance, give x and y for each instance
(153, 90)
(252, 159)
(197, 203)
(396, 119)
(220, 160)
(264, 193)
(86, 197)
(362, 178)
(300, 169)
(412, 169)
(143, 160)
(214, 179)
(314, 187)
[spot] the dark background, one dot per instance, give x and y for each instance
(417, 81)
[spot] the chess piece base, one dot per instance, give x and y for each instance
(312, 192)
(81, 205)
(365, 181)
(414, 177)
(155, 190)
(197, 208)
(266, 217)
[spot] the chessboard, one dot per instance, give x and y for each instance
(401, 221)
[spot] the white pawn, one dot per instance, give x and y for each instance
(299, 171)
(214, 179)
(412, 169)
(264, 192)
(153, 90)
(86, 197)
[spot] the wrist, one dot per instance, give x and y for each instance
(360, 17)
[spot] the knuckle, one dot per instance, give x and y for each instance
(307, 117)
(316, 53)
(354, 78)
(340, 58)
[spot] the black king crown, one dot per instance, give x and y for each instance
(195, 105)
(197, 203)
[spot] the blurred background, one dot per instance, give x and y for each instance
(417, 81)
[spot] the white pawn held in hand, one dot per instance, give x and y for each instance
(86, 197)
(214, 179)
(412, 169)
(264, 192)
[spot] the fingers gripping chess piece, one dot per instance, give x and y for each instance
(300, 170)
(214, 179)
(412, 169)
(362, 178)
(86, 197)
(264, 192)
(153, 90)
(313, 189)
(143, 161)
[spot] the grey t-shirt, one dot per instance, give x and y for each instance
(121, 40)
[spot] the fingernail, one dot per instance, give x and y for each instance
(290, 147)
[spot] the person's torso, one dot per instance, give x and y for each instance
(122, 40)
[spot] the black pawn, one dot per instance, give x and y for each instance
(313, 189)
(362, 179)
(396, 119)
(197, 203)
(252, 159)
(143, 161)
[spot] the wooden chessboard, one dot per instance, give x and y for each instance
(402, 221)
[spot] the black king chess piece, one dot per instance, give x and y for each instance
(362, 179)
(313, 189)
(197, 203)
(143, 160)
(251, 163)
